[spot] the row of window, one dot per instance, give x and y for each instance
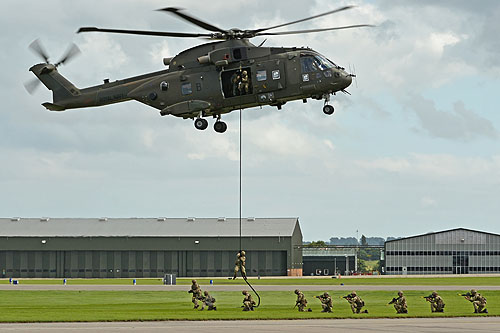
(442, 269)
(442, 253)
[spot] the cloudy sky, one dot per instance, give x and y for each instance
(416, 148)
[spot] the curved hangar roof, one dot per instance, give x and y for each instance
(146, 227)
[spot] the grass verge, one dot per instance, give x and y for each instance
(51, 306)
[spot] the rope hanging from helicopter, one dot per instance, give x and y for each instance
(243, 272)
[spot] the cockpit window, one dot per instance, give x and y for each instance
(324, 63)
(312, 63)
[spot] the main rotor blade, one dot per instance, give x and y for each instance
(71, 52)
(304, 19)
(198, 22)
(141, 32)
(312, 30)
(38, 49)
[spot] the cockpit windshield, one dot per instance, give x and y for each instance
(324, 63)
(314, 62)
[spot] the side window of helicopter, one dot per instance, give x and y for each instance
(164, 86)
(186, 88)
(261, 75)
(308, 64)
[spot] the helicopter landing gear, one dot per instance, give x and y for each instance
(200, 123)
(328, 109)
(220, 126)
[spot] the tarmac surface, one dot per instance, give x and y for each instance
(483, 324)
(238, 287)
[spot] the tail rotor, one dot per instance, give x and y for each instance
(37, 48)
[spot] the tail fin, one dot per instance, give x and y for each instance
(61, 88)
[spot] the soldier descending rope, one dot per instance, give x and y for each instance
(239, 265)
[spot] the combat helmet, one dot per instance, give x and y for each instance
(193, 281)
(242, 252)
(400, 293)
(297, 291)
(353, 293)
(473, 291)
(205, 292)
(326, 294)
(434, 293)
(244, 292)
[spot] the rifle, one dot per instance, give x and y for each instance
(347, 297)
(394, 300)
(428, 298)
(296, 303)
(468, 294)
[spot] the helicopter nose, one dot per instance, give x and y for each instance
(346, 79)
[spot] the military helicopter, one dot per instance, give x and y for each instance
(211, 79)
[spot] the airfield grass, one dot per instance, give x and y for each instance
(75, 306)
(408, 281)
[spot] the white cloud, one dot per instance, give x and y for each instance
(439, 166)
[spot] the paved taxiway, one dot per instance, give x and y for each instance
(483, 324)
(237, 287)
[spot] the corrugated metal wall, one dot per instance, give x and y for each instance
(450, 252)
(124, 264)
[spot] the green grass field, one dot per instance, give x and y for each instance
(457, 281)
(48, 306)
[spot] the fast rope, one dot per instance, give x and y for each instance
(244, 277)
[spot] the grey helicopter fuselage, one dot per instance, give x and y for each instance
(199, 82)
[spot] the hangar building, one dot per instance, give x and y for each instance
(331, 260)
(147, 247)
(455, 251)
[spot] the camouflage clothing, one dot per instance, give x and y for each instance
(400, 303)
(437, 304)
(208, 301)
(248, 302)
(301, 301)
(244, 83)
(326, 302)
(239, 265)
(356, 302)
(197, 294)
(478, 301)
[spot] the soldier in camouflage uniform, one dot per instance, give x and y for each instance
(437, 303)
(239, 265)
(196, 291)
(301, 301)
(326, 302)
(478, 301)
(244, 83)
(248, 302)
(208, 301)
(400, 303)
(356, 302)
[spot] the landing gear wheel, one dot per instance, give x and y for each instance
(201, 123)
(328, 109)
(220, 126)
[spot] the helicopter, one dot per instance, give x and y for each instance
(226, 74)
